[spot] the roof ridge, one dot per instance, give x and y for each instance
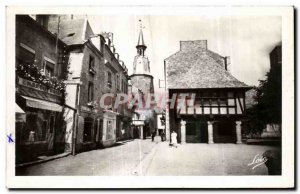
(199, 70)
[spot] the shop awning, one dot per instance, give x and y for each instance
(42, 104)
(20, 114)
(19, 110)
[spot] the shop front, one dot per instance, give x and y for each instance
(38, 132)
(109, 128)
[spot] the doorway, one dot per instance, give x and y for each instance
(196, 132)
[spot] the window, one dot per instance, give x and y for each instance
(230, 95)
(117, 82)
(92, 65)
(90, 92)
(223, 99)
(222, 102)
(124, 86)
(109, 132)
(109, 84)
(35, 129)
(49, 68)
(42, 132)
(214, 100)
(92, 62)
(26, 55)
(87, 131)
(124, 83)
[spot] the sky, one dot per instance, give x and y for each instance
(248, 40)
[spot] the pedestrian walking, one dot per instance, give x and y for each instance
(174, 139)
(153, 135)
(162, 135)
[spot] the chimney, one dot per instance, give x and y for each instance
(107, 37)
(112, 48)
(227, 63)
(117, 56)
(193, 45)
(107, 41)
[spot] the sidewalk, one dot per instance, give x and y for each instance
(43, 159)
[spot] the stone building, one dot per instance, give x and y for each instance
(215, 115)
(40, 68)
(94, 70)
(142, 84)
(116, 82)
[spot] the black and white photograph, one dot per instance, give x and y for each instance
(143, 94)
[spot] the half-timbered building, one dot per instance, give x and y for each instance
(210, 102)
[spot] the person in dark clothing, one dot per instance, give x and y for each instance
(162, 134)
(153, 135)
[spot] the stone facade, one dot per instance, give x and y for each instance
(143, 82)
(41, 41)
(43, 130)
(117, 84)
(97, 70)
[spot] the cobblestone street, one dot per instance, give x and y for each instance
(146, 158)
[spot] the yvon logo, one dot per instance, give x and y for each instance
(257, 161)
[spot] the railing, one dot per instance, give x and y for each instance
(37, 86)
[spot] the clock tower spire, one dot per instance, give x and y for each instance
(141, 64)
(141, 47)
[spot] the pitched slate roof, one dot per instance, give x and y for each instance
(199, 68)
(70, 31)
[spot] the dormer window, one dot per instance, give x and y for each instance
(71, 34)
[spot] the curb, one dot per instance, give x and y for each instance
(141, 168)
(42, 160)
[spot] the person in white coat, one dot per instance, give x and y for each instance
(174, 139)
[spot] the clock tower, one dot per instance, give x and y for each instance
(142, 84)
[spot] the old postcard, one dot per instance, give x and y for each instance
(150, 97)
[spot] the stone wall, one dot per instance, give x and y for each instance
(143, 82)
(87, 77)
(31, 34)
